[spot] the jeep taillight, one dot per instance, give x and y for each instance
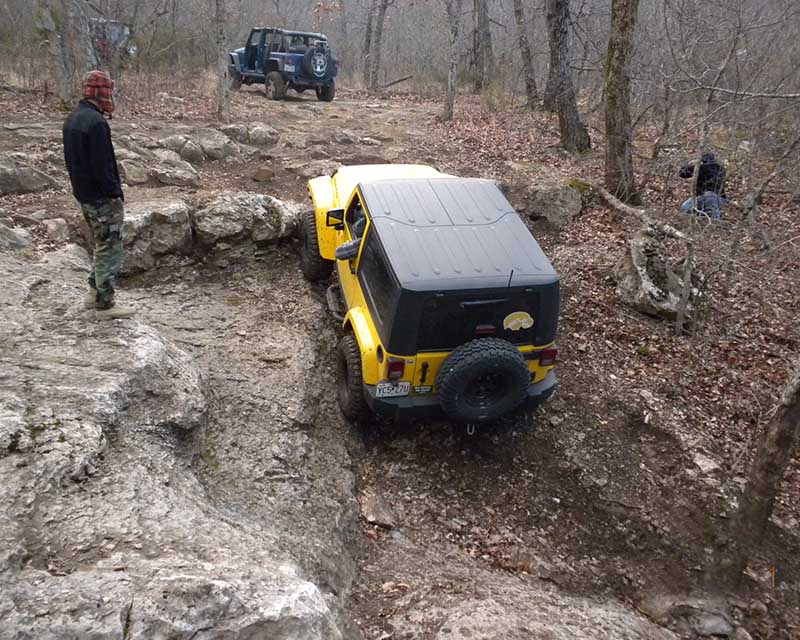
(547, 357)
(485, 330)
(395, 368)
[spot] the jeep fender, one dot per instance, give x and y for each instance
(357, 321)
(321, 192)
(233, 61)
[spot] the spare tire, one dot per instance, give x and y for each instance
(482, 380)
(315, 61)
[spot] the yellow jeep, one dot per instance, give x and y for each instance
(446, 300)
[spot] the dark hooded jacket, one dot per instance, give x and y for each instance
(89, 155)
(711, 176)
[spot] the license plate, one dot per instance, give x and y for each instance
(389, 390)
(288, 67)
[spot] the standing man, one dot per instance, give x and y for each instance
(92, 167)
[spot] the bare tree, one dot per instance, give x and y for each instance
(560, 90)
(383, 7)
(776, 446)
(482, 49)
(223, 90)
(620, 179)
(453, 10)
(366, 51)
(531, 91)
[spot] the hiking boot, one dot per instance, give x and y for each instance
(114, 313)
(90, 301)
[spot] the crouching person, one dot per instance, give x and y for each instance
(710, 196)
(92, 167)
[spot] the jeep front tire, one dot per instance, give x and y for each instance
(234, 79)
(315, 268)
(483, 380)
(274, 86)
(326, 93)
(349, 383)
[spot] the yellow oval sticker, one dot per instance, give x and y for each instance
(518, 320)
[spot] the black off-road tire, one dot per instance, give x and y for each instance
(349, 383)
(315, 268)
(482, 381)
(274, 86)
(234, 79)
(326, 93)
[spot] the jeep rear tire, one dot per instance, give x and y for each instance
(349, 383)
(313, 265)
(274, 86)
(483, 380)
(326, 93)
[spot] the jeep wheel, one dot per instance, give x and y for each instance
(483, 380)
(326, 93)
(313, 265)
(349, 383)
(274, 86)
(233, 79)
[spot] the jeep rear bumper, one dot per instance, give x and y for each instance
(428, 406)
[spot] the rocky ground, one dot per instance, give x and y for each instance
(187, 474)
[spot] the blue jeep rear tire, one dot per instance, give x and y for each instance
(326, 93)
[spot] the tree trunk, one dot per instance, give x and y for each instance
(773, 454)
(574, 134)
(223, 91)
(366, 53)
(453, 8)
(554, 13)
(383, 6)
(620, 178)
(483, 52)
(531, 91)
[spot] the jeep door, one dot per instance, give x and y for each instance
(251, 50)
(355, 227)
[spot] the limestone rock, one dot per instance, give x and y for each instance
(154, 229)
(57, 228)
(557, 203)
(187, 148)
(16, 178)
(133, 172)
(648, 282)
(14, 237)
(241, 216)
(106, 527)
(179, 173)
(378, 511)
(256, 134)
(216, 145)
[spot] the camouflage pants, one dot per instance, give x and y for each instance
(104, 218)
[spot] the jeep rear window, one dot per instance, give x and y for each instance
(451, 320)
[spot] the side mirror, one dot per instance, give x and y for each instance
(335, 218)
(348, 250)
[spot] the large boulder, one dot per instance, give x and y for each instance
(155, 229)
(188, 149)
(242, 216)
(650, 282)
(175, 172)
(106, 527)
(16, 178)
(216, 145)
(14, 237)
(557, 203)
(256, 134)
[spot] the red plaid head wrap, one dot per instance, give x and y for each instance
(98, 86)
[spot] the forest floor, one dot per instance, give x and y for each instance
(624, 483)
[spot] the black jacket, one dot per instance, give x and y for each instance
(710, 178)
(89, 155)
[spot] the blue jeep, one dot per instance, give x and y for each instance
(283, 60)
